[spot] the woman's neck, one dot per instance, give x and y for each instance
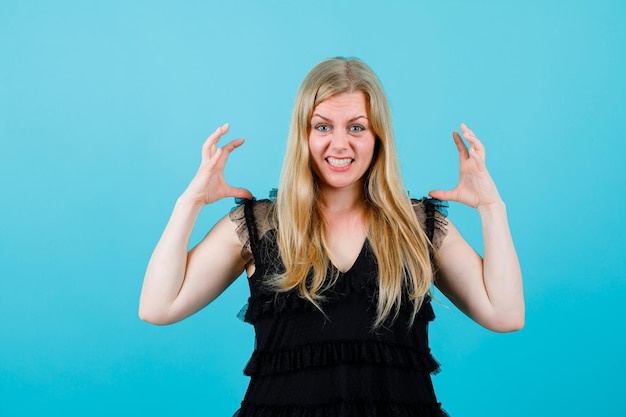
(341, 201)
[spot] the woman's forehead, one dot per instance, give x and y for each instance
(350, 105)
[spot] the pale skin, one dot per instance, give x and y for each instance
(178, 282)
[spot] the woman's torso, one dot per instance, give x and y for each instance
(332, 362)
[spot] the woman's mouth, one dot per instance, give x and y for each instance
(339, 162)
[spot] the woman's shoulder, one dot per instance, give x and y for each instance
(253, 212)
(428, 205)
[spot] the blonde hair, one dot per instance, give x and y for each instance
(397, 240)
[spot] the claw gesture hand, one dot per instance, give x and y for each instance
(475, 188)
(209, 184)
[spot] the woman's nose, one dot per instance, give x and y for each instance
(340, 139)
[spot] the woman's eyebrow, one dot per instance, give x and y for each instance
(320, 116)
(351, 120)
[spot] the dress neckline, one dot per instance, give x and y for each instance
(354, 263)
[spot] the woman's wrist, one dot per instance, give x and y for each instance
(497, 206)
(189, 202)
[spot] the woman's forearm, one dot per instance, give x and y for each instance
(501, 269)
(166, 269)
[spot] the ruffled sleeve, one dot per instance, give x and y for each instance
(253, 218)
(237, 216)
(432, 213)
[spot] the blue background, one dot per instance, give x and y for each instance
(104, 106)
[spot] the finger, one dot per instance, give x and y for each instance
(230, 146)
(209, 147)
(240, 193)
(442, 194)
(218, 159)
(460, 145)
(466, 130)
(479, 157)
(472, 139)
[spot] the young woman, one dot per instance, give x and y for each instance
(340, 265)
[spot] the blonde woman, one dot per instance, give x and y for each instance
(340, 265)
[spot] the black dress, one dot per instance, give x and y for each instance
(333, 364)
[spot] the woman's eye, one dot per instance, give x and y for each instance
(357, 128)
(322, 128)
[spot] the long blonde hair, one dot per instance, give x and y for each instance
(397, 240)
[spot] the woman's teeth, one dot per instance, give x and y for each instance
(339, 162)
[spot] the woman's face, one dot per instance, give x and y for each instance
(341, 142)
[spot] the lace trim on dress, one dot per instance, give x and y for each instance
(251, 214)
(341, 352)
(342, 408)
(432, 213)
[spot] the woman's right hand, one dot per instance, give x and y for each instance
(209, 184)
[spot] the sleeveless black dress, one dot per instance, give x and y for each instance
(333, 364)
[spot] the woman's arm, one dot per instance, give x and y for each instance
(178, 283)
(488, 290)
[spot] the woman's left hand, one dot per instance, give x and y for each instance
(475, 187)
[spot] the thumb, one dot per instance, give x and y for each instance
(241, 193)
(441, 195)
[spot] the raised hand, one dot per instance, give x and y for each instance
(209, 184)
(476, 187)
